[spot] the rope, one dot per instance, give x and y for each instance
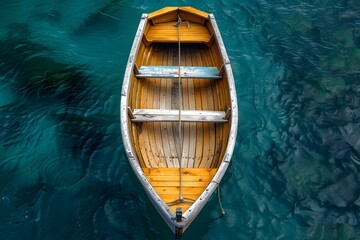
(180, 105)
(221, 207)
(219, 198)
(180, 198)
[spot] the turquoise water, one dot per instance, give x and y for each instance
(295, 170)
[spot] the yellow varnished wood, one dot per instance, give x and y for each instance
(168, 14)
(201, 104)
(217, 105)
(194, 12)
(166, 183)
(170, 197)
(163, 104)
(169, 126)
(163, 12)
(135, 102)
(203, 143)
(210, 98)
(176, 190)
(175, 171)
(184, 9)
(176, 185)
(156, 105)
(146, 135)
(167, 32)
(149, 136)
(185, 105)
(187, 88)
(192, 126)
(208, 25)
(175, 178)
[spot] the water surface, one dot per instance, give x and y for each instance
(295, 169)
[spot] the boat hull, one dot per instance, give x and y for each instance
(158, 149)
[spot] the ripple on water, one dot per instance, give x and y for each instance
(295, 169)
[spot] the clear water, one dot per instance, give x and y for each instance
(295, 170)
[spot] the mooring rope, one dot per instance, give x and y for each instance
(180, 106)
(219, 198)
(180, 149)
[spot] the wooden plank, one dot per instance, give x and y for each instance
(148, 128)
(171, 197)
(156, 104)
(159, 115)
(205, 106)
(166, 13)
(198, 106)
(169, 125)
(186, 16)
(144, 145)
(218, 91)
(206, 60)
(185, 90)
(177, 184)
(173, 72)
(175, 171)
(171, 17)
(163, 125)
(168, 32)
(194, 11)
(175, 104)
(217, 105)
(191, 106)
(210, 42)
(175, 178)
(168, 198)
(187, 71)
(185, 103)
(132, 127)
(163, 12)
(209, 27)
(147, 27)
(176, 190)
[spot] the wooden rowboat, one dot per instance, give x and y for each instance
(178, 111)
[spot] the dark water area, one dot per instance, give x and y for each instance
(295, 173)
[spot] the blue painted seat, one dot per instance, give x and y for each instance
(173, 72)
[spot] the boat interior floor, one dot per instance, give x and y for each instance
(166, 183)
(157, 141)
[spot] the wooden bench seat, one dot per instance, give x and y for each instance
(166, 115)
(173, 72)
(168, 32)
